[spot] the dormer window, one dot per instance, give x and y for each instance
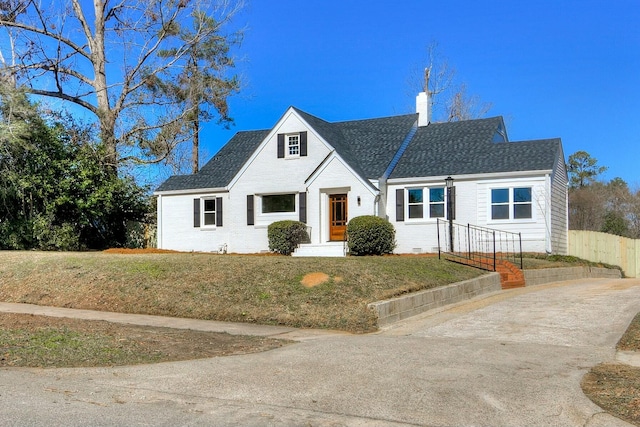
(292, 145)
(500, 135)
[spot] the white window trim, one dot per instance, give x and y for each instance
(426, 204)
(511, 205)
(275, 216)
(202, 212)
(287, 146)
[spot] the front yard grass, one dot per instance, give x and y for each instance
(51, 342)
(236, 288)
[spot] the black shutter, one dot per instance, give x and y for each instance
(196, 212)
(303, 207)
(303, 144)
(218, 211)
(400, 204)
(250, 214)
(281, 146)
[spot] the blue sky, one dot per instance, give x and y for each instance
(551, 68)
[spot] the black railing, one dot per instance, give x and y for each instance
(478, 246)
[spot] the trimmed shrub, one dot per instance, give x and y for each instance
(370, 235)
(285, 236)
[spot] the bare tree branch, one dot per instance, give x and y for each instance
(61, 95)
(114, 66)
(449, 100)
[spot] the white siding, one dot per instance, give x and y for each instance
(473, 206)
(266, 173)
(322, 172)
(534, 231)
(559, 214)
(318, 174)
(176, 230)
(336, 178)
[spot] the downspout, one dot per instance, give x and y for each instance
(380, 200)
(382, 182)
(376, 204)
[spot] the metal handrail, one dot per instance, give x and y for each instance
(479, 246)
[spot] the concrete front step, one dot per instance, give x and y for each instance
(329, 249)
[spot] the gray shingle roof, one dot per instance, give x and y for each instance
(467, 147)
(220, 170)
(368, 146)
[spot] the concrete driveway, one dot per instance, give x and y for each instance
(514, 358)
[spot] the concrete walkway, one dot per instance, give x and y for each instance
(512, 358)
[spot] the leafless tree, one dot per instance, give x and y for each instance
(634, 215)
(449, 99)
(104, 57)
(462, 106)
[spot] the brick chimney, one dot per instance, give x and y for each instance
(423, 108)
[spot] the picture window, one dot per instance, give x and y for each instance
(278, 203)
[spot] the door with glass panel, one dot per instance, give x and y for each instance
(337, 216)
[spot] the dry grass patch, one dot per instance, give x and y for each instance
(616, 387)
(239, 288)
(532, 261)
(48, 342)
(314, 279)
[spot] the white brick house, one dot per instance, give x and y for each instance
(322, 174)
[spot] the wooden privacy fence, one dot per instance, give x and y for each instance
(607, 248)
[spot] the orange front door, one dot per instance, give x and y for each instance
(337, 216)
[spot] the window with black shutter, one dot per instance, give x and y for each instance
(207, 212)
(400, 204)
(302, 207)
(250, 210)
(292, 145)
(196, 213)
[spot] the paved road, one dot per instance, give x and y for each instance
(514, 358)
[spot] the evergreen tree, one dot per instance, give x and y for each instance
(55, 191)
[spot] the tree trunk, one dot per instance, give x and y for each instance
(195, 150)
(108, 138)
(105, 113)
